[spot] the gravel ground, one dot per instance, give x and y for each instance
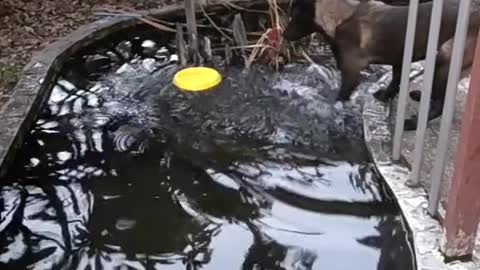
(29, 25)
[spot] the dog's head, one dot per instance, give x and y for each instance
(301, 20)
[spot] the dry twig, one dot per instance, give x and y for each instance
(214, 24)
(146, 19)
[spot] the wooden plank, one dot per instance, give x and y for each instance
(191, 29)
(239, 31)
(207, 49)
(463, 206)
(181, 50)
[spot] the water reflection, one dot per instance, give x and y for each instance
(124, 172)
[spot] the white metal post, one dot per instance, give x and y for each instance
(432, 48)
(405, 79)
(449, 105)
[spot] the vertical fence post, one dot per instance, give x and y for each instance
(405, 79)
(432, 48)
(463, 206)
(449, 106)
(191, 29)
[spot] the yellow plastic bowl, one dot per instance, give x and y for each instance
(197, 79)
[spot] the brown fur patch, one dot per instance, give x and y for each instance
(367, 20)
(331, 13)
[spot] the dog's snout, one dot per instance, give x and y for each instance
(297, 29)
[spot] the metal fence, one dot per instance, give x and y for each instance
(447, 117)
(448, 106)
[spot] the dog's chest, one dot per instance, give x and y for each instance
(365, 36)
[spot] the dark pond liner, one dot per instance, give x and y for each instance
(137, 178)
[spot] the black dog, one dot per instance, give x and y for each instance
(371, 32)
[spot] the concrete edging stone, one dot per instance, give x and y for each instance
(426, 231)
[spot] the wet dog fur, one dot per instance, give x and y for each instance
(366, 32)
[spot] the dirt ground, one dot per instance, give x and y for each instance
(27, 26)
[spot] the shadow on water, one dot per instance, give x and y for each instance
(122, 171)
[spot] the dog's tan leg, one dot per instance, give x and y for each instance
(441, 78)
(350, 62)
(442, 66)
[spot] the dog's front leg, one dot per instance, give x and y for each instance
(440, 79)
(350, 80)
(350, 65)
(392, 90)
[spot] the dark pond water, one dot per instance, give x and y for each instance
(123, 171)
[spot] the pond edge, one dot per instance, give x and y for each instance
(426, 231)
(26, 100)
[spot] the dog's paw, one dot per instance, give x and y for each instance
(382, 95)
(342, 98)
(416, 95)
(410, 124)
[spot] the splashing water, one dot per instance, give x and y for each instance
(123, 171)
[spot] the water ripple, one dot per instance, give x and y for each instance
(123, 171)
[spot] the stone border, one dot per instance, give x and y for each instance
(426, 231)
(21, 107)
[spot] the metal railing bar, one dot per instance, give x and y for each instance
(449, 105)
(432, 48)
(405, 79)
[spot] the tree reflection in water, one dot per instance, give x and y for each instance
(119, 177)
